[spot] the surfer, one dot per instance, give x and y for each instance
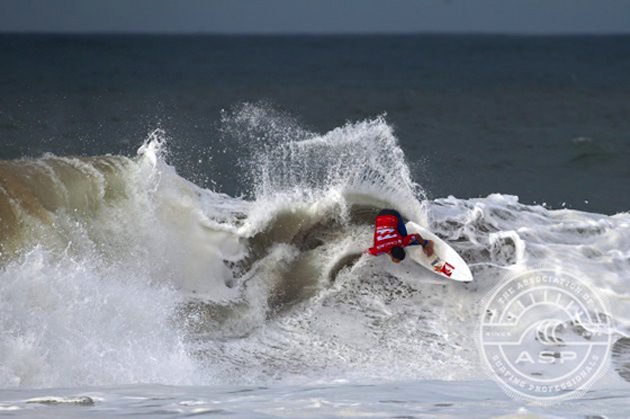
(390, 236)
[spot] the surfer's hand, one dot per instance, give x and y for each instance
(428, 249)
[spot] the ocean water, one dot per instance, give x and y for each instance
(182, 218)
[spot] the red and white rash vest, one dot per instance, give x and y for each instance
(387, 236)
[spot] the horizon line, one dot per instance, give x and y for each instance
(316, 34)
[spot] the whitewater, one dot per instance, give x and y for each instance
(125, 288)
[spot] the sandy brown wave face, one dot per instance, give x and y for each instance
(32, 191)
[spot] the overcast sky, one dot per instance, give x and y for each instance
(316, 16)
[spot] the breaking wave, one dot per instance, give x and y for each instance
(117, 270)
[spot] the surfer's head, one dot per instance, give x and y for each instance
(397, 254)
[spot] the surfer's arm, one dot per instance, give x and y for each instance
(417, 240)
(414, 240)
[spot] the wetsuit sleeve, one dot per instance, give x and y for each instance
(412, 240)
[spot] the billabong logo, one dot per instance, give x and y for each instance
(545, 335)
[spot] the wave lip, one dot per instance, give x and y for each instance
(32, 190)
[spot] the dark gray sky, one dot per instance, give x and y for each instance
(316, 16)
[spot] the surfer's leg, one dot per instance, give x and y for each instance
(402, 229)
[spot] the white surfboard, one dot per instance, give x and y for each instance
(445, 261)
